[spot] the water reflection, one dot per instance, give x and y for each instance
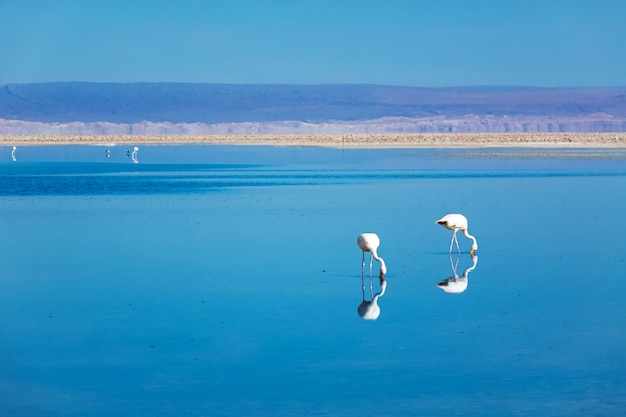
(369, 309)
(457, 284)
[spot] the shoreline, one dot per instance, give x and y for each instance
(365, 140)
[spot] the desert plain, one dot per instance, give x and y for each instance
(396, 140)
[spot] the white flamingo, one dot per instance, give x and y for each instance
(456, 222)
(134, 154)
(13, 154)
(369, 242)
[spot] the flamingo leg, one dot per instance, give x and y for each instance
(371, 264)
(456, 240)
(363, 280)
(363, 283)
(363, 264)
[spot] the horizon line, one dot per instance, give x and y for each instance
(481, 86)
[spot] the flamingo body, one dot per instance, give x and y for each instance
(369, 242)
(456, 222)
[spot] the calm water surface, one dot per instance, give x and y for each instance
(225, 281)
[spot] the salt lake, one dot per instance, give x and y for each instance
(226, 280)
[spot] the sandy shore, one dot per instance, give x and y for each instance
(427, 140)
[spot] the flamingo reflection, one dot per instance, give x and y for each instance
(370, 310)
(457, 284)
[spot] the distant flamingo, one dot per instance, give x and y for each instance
(13, 154)
(369, 242)
(456, 222)
(134, 154)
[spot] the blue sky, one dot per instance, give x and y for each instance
(552, 43)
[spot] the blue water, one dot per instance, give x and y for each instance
(225, 281)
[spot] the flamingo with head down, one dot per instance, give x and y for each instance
(456, 222)
(369, 242)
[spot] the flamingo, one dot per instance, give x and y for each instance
(456, 222)
(134, 154)
(13, 154)
(369, 242)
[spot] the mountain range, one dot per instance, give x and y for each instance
(132, 108)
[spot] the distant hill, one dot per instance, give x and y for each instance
(79, 107)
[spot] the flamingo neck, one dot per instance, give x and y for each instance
(383, 267)
(475, 245)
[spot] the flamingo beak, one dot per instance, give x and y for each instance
(473, 252)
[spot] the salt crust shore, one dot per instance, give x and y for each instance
(428, 140)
